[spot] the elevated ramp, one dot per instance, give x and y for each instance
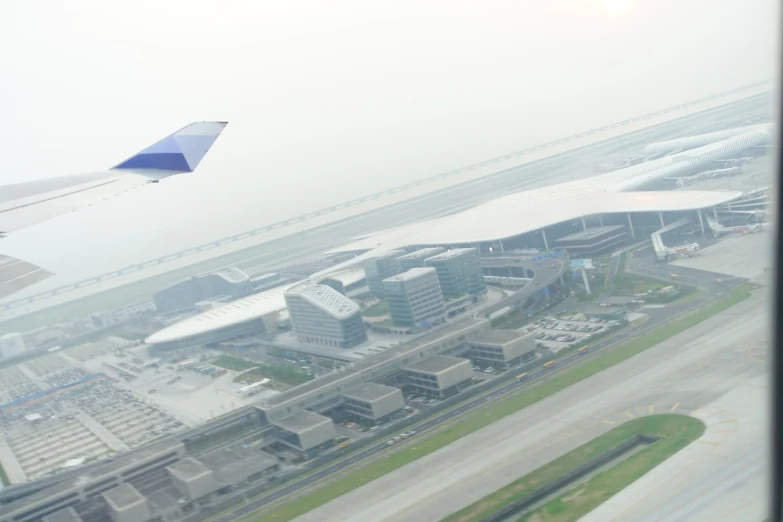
(661, 252)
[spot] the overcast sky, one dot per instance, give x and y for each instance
(331, 100)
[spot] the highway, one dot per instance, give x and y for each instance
(308, 240)
(656, 316)
(716, 365)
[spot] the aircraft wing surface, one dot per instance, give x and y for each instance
(25, 204)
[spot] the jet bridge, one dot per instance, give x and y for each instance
(662, 252)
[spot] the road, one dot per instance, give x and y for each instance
(702, 371)
(308, 240)
(656, 316)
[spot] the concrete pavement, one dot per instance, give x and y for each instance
(689, 372)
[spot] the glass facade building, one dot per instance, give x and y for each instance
(322, 315)
(380, 267)
(459, 272)
(415, 298)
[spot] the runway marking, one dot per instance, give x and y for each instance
(726, 422)
(710, 442)
(652, 409)
(717, 413)
(605, 421)
(628, 414)
(675, 407)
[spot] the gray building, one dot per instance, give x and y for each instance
(414, 297)
(459, 272)
(373, 402)
(416, 259)
(184, 295)
(503, 348)
(322, 315)
(378, 268)
(306, 431)
(440, 375)
(126, 504)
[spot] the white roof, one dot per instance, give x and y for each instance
(533, 210)
(413, 273)
(348, 276)
(327, 299)
(236, 312)
(232, 274)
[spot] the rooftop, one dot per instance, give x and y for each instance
(188, 468)
(236, 312)
(411, 274)
(590, 233)
(436, 364)
(123, 496)
(233, 464)
(498, 337)
(422, 253)
(232, 275)
(371, 391)
(346, 277)
(451, 254)
(301, 421)
(327, 299)
(386, 255)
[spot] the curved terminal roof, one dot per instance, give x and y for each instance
(327, 299)
(236, 312)
(531, 210)
(508, 216)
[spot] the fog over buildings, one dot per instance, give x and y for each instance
(331, 101)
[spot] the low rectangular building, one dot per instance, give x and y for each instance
(126, 504)
(306, 431)
(503, 348)
(193, 479)
(439, 375)
(373, 402)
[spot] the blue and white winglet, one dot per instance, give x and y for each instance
(25, 204)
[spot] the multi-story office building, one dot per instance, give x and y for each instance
(373, 402)
(416, 259)
(184, 295)
(322, 315)
(380, 267)
(414, 297)
(459, 272)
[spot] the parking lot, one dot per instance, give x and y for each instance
(555, 334)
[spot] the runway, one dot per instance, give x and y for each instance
(715, 371)
(308, 239)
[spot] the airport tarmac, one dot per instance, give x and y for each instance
(444, 197)
(695, 372)
(738, 255)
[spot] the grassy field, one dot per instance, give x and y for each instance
(234, 363)
(506, 407)
(376, 310)
(676, 431)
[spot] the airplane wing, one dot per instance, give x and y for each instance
(25, 204)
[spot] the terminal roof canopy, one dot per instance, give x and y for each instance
(532, 210)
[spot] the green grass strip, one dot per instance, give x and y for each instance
(571, 506)
(675, 431)
(506, 407)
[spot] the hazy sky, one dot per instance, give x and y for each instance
(331, 100)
